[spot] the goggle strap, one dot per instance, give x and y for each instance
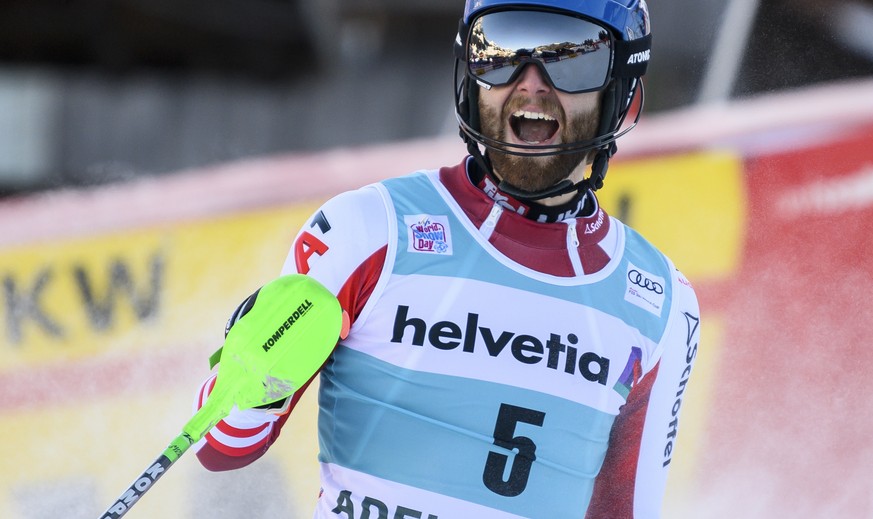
(460, 46)
(632, 57)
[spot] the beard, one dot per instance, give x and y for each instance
(530, 173)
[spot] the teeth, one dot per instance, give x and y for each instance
(533, 115)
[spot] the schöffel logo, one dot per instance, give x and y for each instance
(644, 289)
(593, 227)
(557, 352)
(428, 234)
(691, 342)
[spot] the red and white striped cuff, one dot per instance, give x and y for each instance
(241, 432)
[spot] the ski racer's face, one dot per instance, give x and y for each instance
(531, 111)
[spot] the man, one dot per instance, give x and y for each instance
(514, 351)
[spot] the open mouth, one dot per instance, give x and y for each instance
(533, 127)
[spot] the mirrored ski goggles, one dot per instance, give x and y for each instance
(574, 54)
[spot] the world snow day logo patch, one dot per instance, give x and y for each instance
(428, 234)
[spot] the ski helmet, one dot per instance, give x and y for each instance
(609, 42)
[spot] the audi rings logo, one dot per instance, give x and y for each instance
(645, 290)
(638, 279)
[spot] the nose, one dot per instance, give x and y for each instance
(531, 81)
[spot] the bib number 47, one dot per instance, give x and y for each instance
(504, 476)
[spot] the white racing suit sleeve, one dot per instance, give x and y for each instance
(342, 245)
(643, 439)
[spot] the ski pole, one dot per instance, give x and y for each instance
(269, 353)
